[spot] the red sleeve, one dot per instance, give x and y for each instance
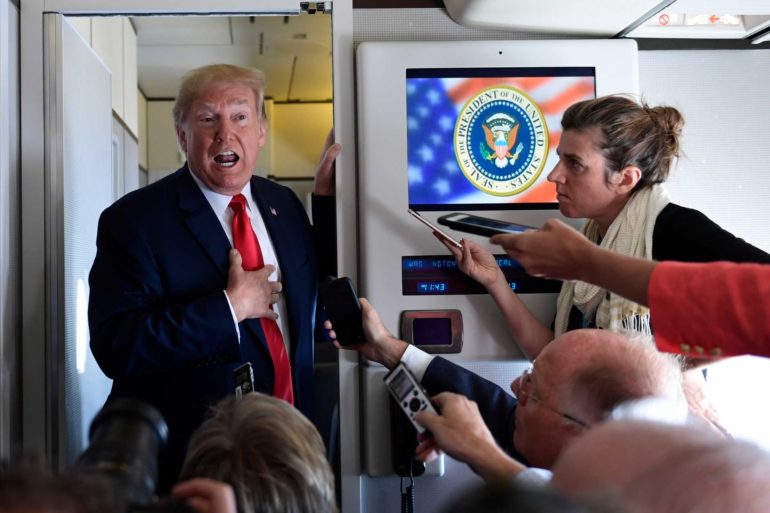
(712, 309)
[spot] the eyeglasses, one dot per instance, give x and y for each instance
(526, 392)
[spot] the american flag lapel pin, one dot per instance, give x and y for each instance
(273, 211)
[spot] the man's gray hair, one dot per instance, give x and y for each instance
(626, 372)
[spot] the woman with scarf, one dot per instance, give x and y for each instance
(614, 155)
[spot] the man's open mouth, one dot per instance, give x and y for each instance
(226, 158)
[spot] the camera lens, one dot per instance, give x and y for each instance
(125, 439)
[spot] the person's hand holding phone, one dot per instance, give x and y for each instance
(555, 251)
(476, 262)
(340, 301)
(379, 344)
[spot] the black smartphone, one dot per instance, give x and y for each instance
(340, 300)
(480, 225)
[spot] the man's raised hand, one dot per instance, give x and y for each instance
(380, 345)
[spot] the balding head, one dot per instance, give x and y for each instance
(649, 467)
(604, 369)
(577, 380)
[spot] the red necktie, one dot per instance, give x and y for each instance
(245, 241)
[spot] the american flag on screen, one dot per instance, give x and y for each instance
(433, 104)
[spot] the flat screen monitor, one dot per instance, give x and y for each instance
(474, 125)
(487, 137)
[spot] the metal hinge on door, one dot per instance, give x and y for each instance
(316, 7)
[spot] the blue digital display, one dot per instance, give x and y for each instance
(432, 287)
(439, 275)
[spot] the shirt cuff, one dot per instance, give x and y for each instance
(416, 360)
(235, 319)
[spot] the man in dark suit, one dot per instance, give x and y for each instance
(577, 380)
(173, 308)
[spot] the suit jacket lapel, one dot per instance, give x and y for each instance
(207, 230)
(202, 222)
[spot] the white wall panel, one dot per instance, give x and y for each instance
(83, 27)
(81, 164)
(725, 99)
(107, 42)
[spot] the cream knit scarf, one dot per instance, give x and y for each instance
(630, 234)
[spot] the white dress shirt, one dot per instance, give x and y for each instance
(220, 204)
(417, 361)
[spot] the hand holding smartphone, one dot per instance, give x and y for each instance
(436, 229)
(340, 300)
(481, 225)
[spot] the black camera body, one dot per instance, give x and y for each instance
(125, 439)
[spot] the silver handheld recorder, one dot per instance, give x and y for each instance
(408, 394)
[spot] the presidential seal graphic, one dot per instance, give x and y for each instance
(501, 141)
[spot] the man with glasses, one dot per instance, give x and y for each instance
(575, 382)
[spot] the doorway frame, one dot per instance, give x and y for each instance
(41, 247)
